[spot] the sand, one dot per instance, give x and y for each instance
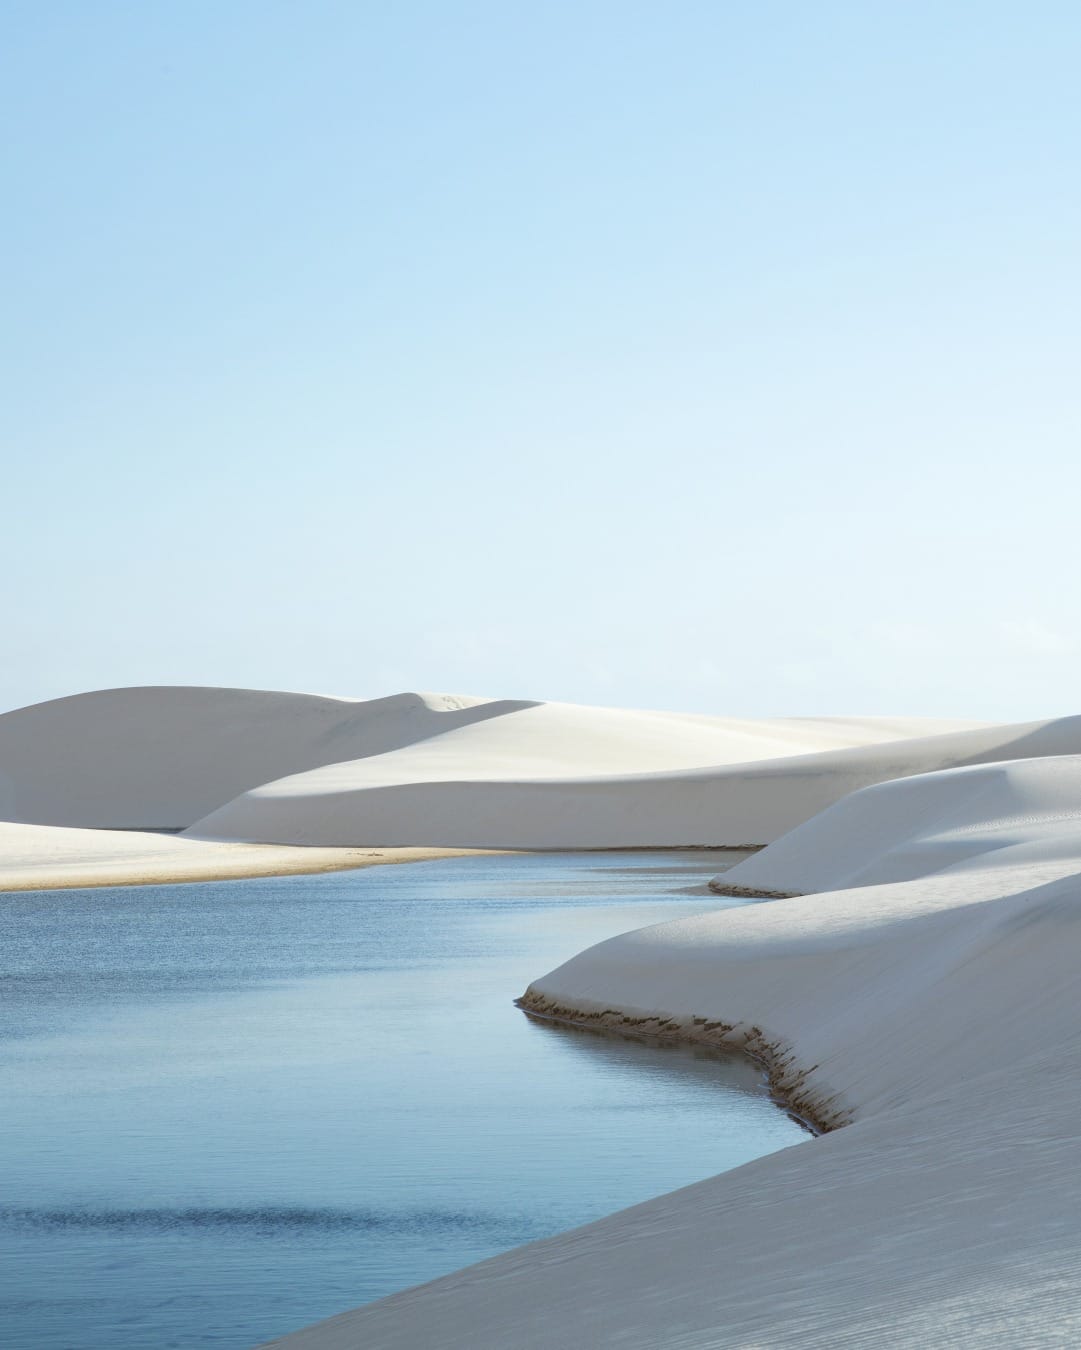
(534, 780)
(930, 1024)
(993, 815)
(161, 757)
(45, 857)
(166, 757)
(915, 998)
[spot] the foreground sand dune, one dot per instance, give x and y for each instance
(507, 783)
(934, 1018)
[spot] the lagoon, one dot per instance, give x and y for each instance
(233, 1108)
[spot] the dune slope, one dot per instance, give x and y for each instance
(993, 814)
(530, 781)
(934, 1018)
(160, 757)
(163, 757)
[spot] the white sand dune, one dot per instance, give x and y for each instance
(923, 997)
(50, 857)
(556, 776)
(162, 756)
(935, 1018)
(991, 815)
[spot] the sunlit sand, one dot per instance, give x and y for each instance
(913, 999)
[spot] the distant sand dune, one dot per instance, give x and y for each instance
(533, 781)
(161, 757)
(165, 757)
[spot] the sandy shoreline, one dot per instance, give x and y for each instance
(45, 858)
(49, 858)
(719, 887)
(785, 1078)
(920, 991)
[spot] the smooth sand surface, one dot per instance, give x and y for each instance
(119, 762)
(160, 757)
(561, 776)
(930, 1023)
(493, 785)
(165, 757)
(46, 857)
(989, 815)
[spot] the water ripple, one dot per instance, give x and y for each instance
(264, 1219)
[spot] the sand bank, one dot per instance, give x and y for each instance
(935, 1018)
(43, 857)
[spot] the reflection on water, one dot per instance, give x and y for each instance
(233, 1108)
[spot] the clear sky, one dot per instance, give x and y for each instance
(705, 355)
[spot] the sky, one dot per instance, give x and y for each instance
(703, 356)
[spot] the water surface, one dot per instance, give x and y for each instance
(232, 1108)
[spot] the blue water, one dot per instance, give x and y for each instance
(231, 1109)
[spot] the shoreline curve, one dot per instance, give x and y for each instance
(785, 1079)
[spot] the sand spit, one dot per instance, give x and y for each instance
(936, 1014)
(43, 857)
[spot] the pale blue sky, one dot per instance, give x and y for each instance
(705, 355)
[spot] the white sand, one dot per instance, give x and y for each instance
(988, 816)
(49, 857)
(561, 776)
(161, 757)
(937, 1014)
(921, 1003)
(164, 757)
